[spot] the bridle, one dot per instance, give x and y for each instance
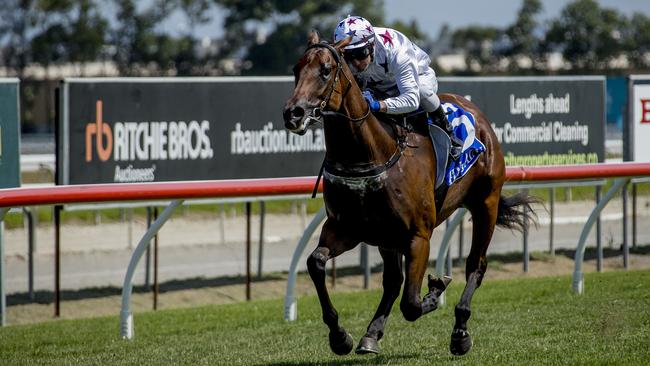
(339, 70)
(366, 171)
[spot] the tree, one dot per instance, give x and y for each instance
(20, 20)
(196, 11)
(478, 43)
(589, 36)
(142, 48)
(522, 34)
(87, 33)
(49, 46)
(270, 35)
(637, 41)
(134, 38)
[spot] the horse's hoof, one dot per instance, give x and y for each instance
(461, 342)
(367, 345)
(341, 342)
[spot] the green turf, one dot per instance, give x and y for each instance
(518, 322)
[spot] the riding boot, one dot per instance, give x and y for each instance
(440, 120)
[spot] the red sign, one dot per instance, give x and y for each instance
(645, 110)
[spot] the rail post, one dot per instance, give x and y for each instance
(578, 276)
(260, 253)
(290, 302)
(57, 260)
(626, 247)
(444, 247)
(551, 229)
(633, 215)
(599, 243)
(31, 240)
(524, 237)
(126, 316)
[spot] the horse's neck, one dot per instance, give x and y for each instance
(361, 142)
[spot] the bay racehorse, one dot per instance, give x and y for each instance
(378, 189)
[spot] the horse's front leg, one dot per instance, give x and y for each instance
(392, 282)
(417, 258)
(330, 245)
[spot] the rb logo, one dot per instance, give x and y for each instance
(99, 129)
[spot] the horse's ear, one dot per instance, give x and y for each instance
(342, 43)
(313, 37)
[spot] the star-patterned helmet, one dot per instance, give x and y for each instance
(359, 28)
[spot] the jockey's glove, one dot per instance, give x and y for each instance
(372, 102)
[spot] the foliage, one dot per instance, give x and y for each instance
(478, 42)
(589, 36)
(637, 41)
(519, 321)
(266, 37)
(19, 19)
(522, 36)
(271, 35)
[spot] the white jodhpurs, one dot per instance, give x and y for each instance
(428, 84)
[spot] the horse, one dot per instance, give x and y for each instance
(378, 188)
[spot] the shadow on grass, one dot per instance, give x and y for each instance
(47, 297)
(590, 254)
(361, 360)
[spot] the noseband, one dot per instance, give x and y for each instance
(339, 70)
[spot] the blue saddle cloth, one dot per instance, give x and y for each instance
(463, 132)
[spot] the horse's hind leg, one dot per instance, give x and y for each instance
(330, 246)
(484, 217)
(392, 282)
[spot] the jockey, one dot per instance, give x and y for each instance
(385, 62)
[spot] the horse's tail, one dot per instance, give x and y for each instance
(515, 212)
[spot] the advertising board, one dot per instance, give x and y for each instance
(637, 129)
(541, 121)
(171, 129)
(9, 134)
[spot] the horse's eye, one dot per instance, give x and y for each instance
(326, 70)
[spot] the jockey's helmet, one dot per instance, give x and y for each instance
(363, 36)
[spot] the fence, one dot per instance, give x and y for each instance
(178, 191)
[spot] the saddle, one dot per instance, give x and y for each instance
(442, 145)
(455, 143)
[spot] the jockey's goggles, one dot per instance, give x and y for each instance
(357, 53)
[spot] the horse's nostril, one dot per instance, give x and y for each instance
(291, 114)
(297, 112)
(286, 114)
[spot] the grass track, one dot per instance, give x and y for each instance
(520, 321)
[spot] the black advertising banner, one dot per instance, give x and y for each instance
(541, 121)
(172, 129)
